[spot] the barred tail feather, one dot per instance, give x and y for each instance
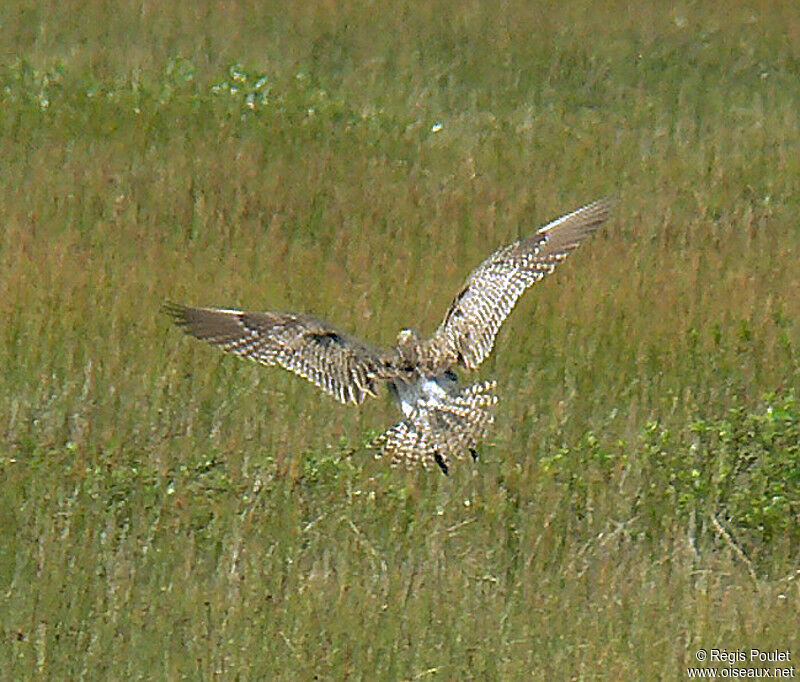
(440, 429)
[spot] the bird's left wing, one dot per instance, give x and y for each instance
(334, 361)
(467, 334)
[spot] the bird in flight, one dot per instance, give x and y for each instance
(441, 420)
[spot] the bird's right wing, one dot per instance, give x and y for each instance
(467, 334)
(338, 364)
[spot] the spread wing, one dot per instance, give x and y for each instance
(467, 334)
(337, 363)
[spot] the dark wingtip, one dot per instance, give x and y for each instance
(176, 311)
(607, 204)
(602, 208)
(442, 464)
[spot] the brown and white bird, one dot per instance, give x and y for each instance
(441, 420)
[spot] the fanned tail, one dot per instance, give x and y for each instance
(439, 429)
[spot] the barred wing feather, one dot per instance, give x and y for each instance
(467, 334)
(335, 362)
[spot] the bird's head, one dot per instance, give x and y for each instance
(408, 343)
(407, 337)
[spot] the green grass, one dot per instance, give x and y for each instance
(168, 512)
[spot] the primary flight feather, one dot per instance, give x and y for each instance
(441, 420)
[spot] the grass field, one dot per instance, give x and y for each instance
(168, 512)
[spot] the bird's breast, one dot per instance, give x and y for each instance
(411, 393)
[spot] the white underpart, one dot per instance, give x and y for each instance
(426, 390)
